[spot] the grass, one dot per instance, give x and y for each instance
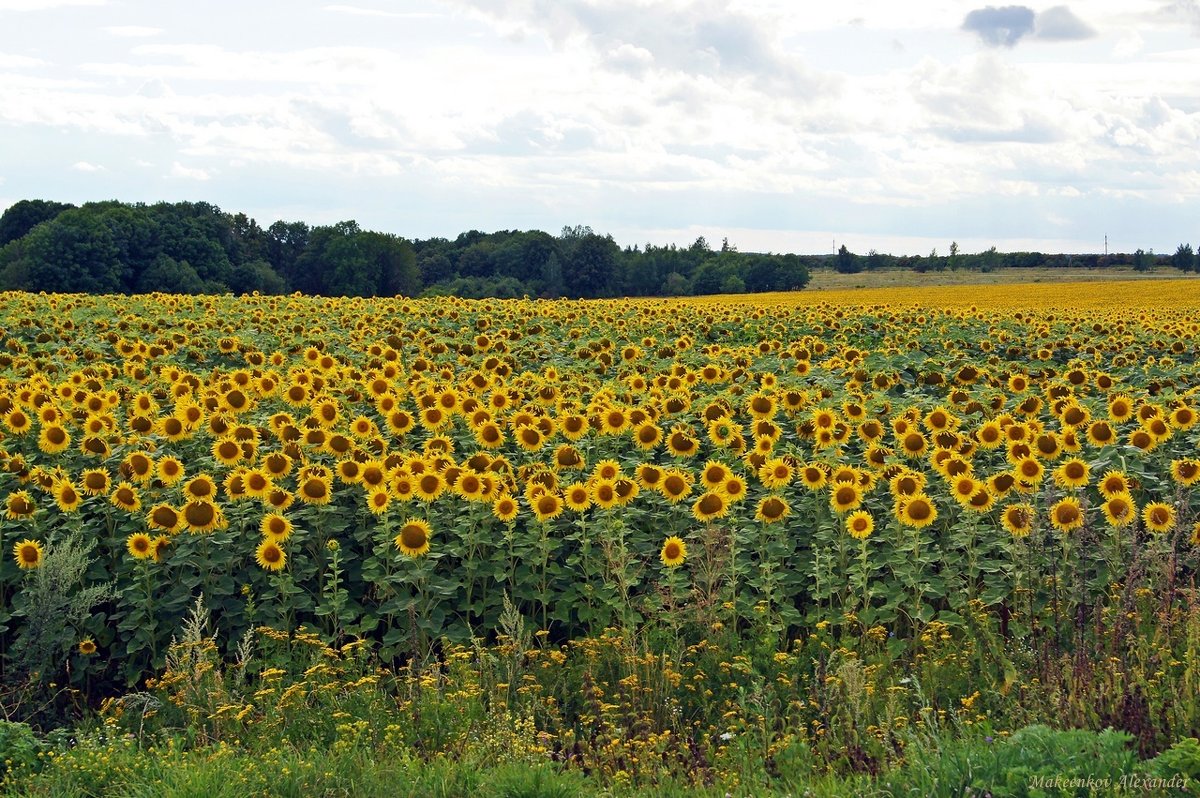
(829, 280)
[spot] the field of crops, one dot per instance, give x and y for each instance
(999, 479)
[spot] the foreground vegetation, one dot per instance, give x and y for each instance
(844, 542)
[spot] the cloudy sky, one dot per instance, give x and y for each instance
(784, 126)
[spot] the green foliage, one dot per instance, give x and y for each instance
(1184, 258)
(21, 217)
(195, 248)
(847, 262)
(19, 747)
(56, 601)
(1035, 762)
(1180, 761)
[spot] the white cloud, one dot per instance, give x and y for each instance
(627, 113)
(84, 166)
(188, 173)
(1129, 45)
(376, 12)
(43, 5)
(11, 61)
(132, 31)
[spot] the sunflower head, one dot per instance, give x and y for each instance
(860, 524)
(140, 546)
(270, 555)
(28, 554)
(413, 538)
(673, 553)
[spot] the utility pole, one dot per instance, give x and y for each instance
(1106, 245)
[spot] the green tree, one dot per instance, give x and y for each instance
(168, 275)
(847, 262)
(590, 266)
(1184, 259)
(1143, 261)
(75, 252)
(23, 216)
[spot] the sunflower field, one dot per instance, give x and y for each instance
(1013, 465)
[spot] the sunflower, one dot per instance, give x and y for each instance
(650, 476)
(1072, 473)
(256, 483)
(1066, 514)
(813, 476)
(28, 553)
(170, 470)
(200, 515)
(680, 442)
(674, 552)
(647, 435)
(1143, 439)
(400, 421)
(1100, 433)
(548, 506)
(226, 451)
(18, 421)
(1120, 408)
(606, 469)
(413, 538)
(87, 647)
(578, 497)
(734, 488)
(913, 444)
(844, 497)
(860, 524)
(275, 526)
(761, 405)
(1185, 472)
(963, 487)
(66, 496)
(1159, 517)
(378, 500)
(574, 426)
(1195, 537)
(429, 486)
(675, 485)
(278, 499)
(95, 482)
(505, 508)
(529, 437)
(200, 487)
(1018, 519)
(709, 506)
(775, 473)
(1159, 429)
(990, 435)
(1114, 482)
(270, 555)
(722, 431)
(772, 509)
(53, 439)
(314, 490)
(140, 546)
(1119, 509)
(1183, 417)
(1048, 446)
(916, 511)
(1029, 469)
(18, 505)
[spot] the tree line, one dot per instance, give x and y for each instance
(195, 247)
(847, 262)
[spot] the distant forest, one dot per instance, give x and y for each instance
(195, 247)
